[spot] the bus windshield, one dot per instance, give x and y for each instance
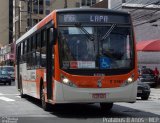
(96, 47)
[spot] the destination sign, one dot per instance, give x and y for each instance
(99, 18)
(93, 18)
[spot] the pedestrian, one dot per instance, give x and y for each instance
(156, 74)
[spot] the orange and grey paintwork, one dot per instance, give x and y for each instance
(88, 83)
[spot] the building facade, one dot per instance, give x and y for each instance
(7, 55)
(146, 20)
(27, 13)
(6, 22)
(58, 4)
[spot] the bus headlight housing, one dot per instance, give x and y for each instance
(66, 81)
(128, 81)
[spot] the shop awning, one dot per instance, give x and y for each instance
(151, 45)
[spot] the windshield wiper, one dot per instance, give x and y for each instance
(108, 32)
(89, 36)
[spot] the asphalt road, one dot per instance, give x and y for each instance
(28, 110)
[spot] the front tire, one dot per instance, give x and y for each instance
(45, 105)
(106, 106)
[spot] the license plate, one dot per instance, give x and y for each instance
(148, 77)
(99, 95)
(139, 91)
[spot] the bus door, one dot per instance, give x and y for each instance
(50, 60)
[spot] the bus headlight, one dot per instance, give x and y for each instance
(66, 81)
(128, 81)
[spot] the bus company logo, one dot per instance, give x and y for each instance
(73, 64)
(99, 83)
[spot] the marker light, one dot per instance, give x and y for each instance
(66, 81)
(128, 81)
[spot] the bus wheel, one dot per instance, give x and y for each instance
(106, 106)
(45, 105)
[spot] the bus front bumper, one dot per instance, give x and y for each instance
(66, 94)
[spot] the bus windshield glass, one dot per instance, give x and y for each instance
(111, 47)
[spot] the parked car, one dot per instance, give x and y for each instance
(143, 90)
(146, 75)
(5, 77)
(9, 70)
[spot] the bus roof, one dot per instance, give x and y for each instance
(48, 17)
(90, 10)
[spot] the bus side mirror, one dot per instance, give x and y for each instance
(53, 35)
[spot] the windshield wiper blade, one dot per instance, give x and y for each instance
(108, 32)
(89, 36)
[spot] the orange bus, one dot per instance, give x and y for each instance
(79, 56)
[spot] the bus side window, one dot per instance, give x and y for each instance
(25, 51)
(23, 43)
(51, 37)
(38, 50)
(34, 51)
(34, 42)
(28, 53)
(18, 53)
(21, 55)
(30, 45)
(43, 48)
(27, 46)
